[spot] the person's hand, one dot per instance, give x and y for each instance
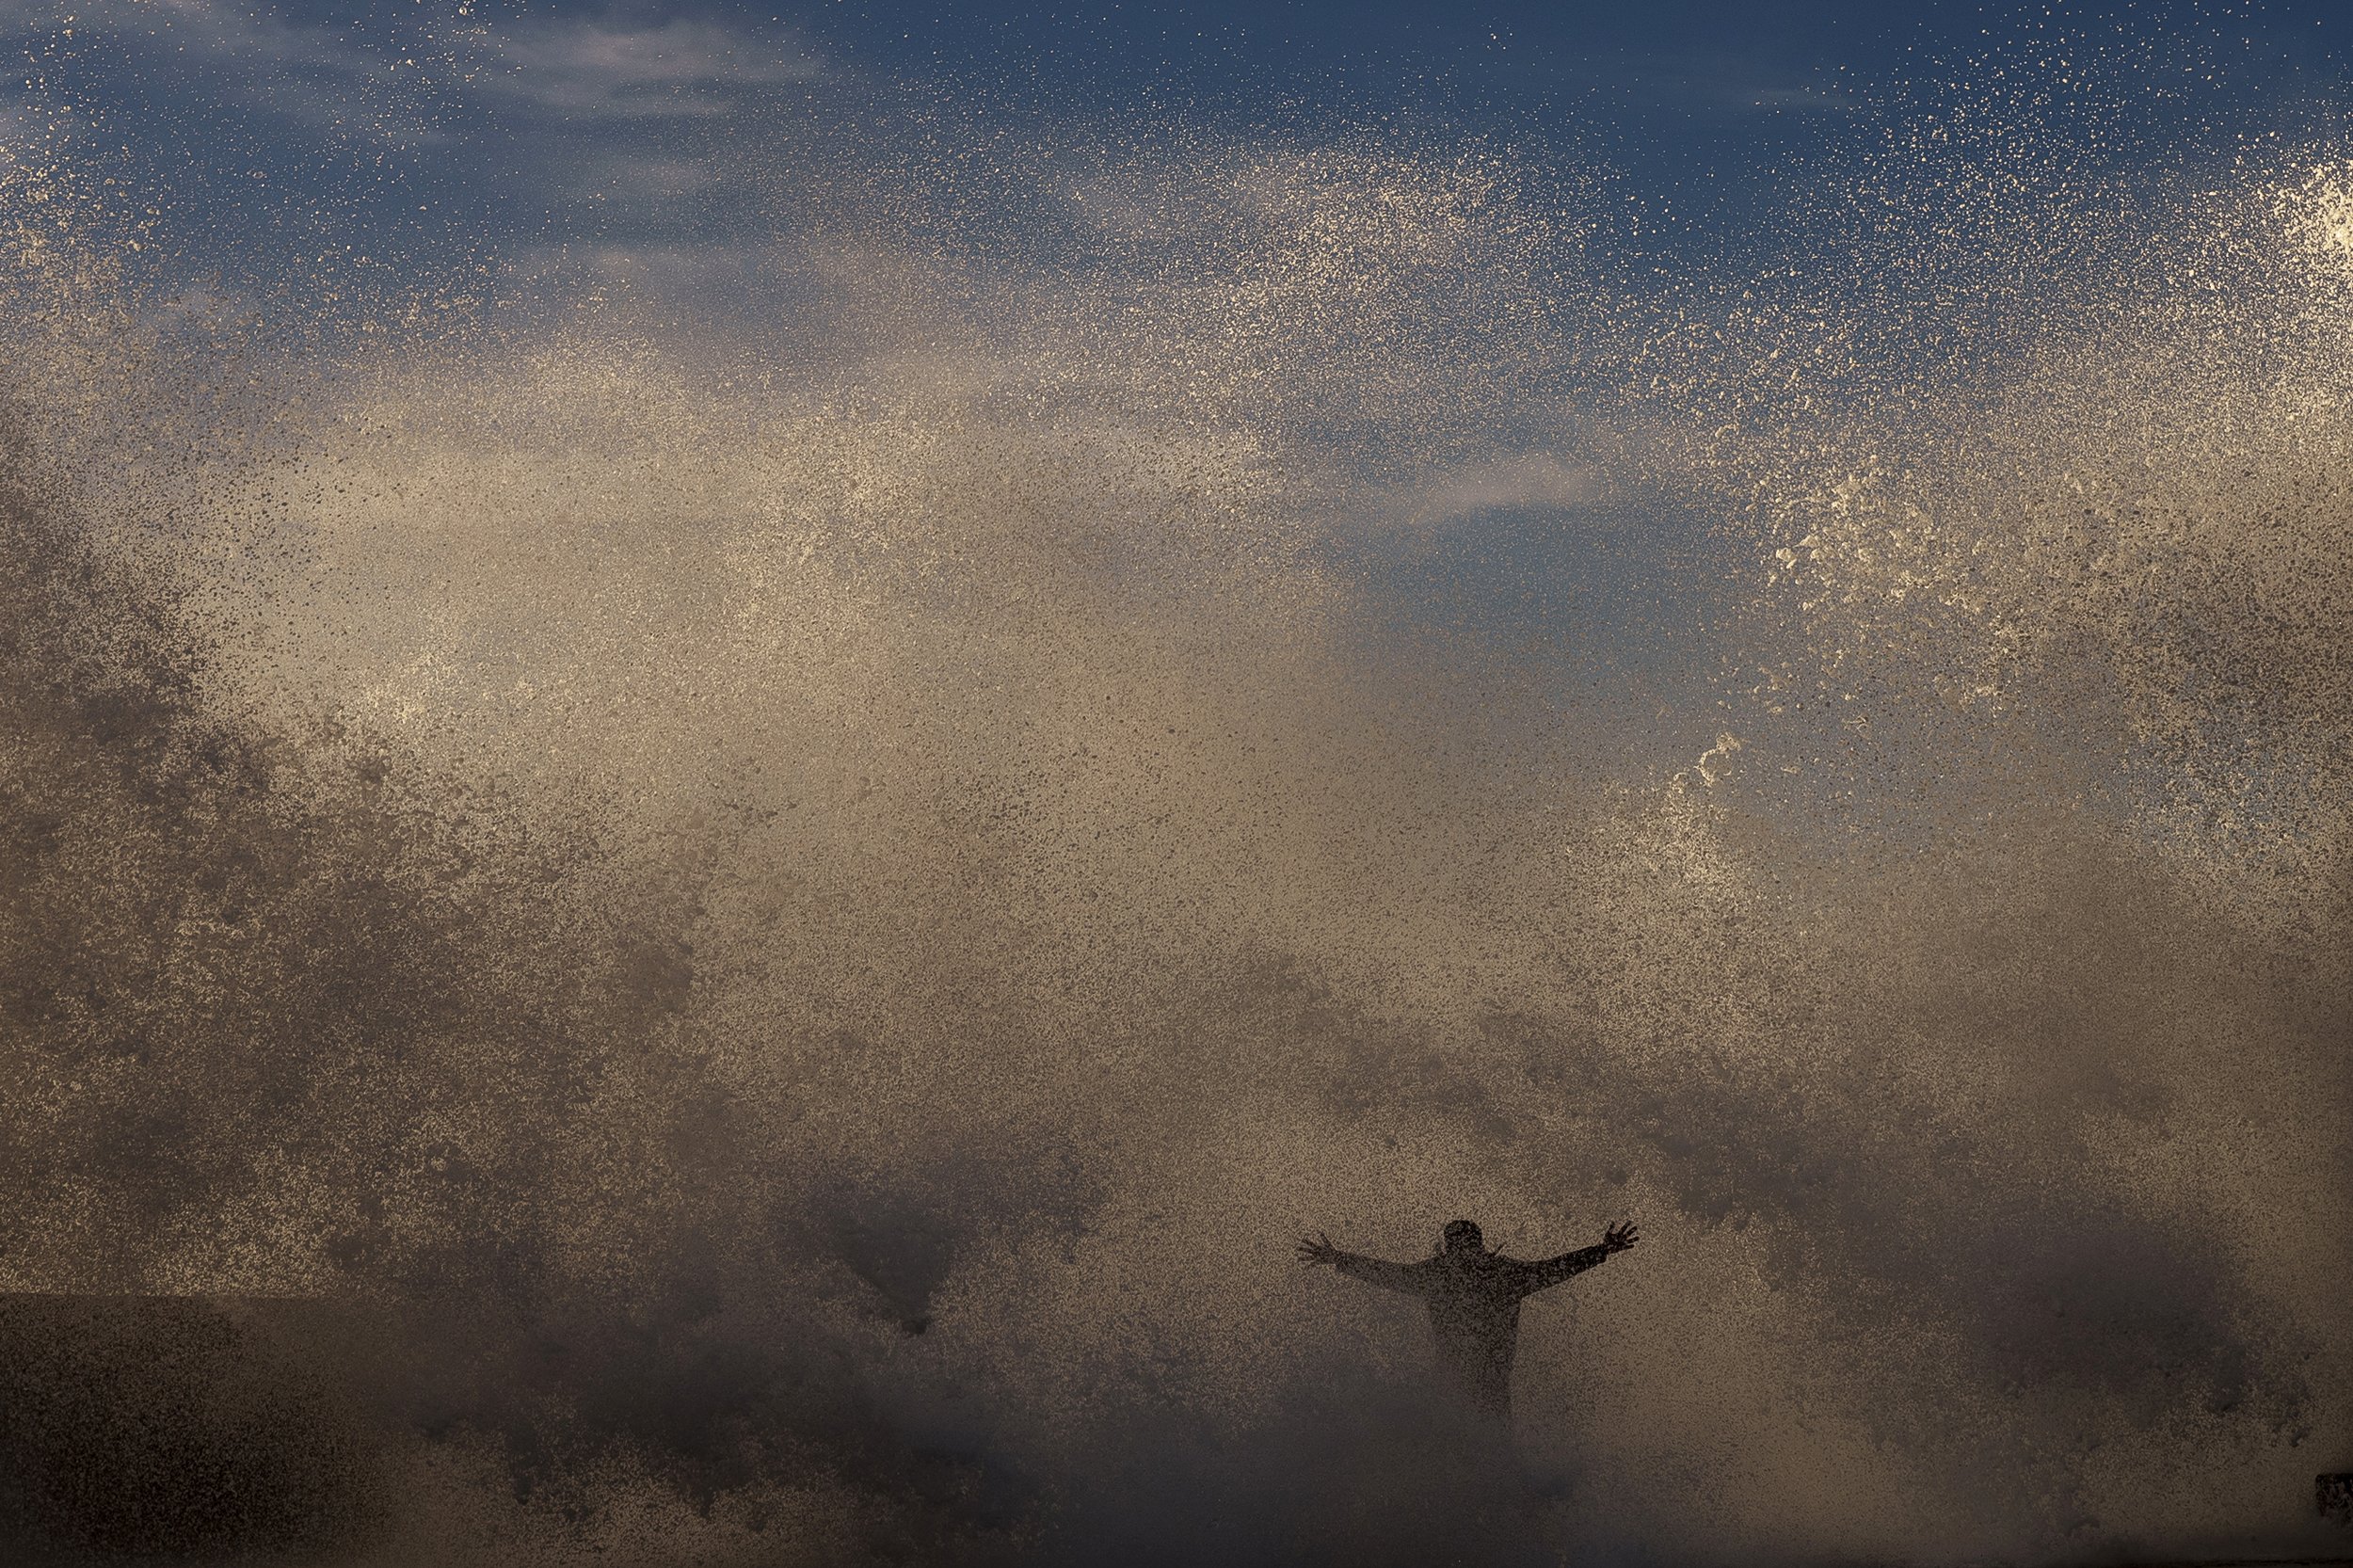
(1618, 1238)
(1318, 1248)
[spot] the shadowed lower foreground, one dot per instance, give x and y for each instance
(217, 1430)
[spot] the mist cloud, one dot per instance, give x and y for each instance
(803, 931)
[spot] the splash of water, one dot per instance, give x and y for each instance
(821, 908)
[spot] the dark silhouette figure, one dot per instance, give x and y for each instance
(1474, 1298)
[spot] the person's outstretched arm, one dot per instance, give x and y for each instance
(1372, 1270)
(1552, 1270)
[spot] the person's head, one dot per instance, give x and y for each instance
(1461, 1236)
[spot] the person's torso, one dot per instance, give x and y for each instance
(1474, 1302)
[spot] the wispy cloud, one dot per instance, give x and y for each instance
(681, 68)
(394, 78)
(379, 89)
(1510, 484)
(212, 29)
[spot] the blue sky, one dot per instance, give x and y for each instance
(489, 128)
(457, 150)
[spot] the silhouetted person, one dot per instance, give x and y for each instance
(1474, 1297)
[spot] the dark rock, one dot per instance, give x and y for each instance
(141, 1427)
